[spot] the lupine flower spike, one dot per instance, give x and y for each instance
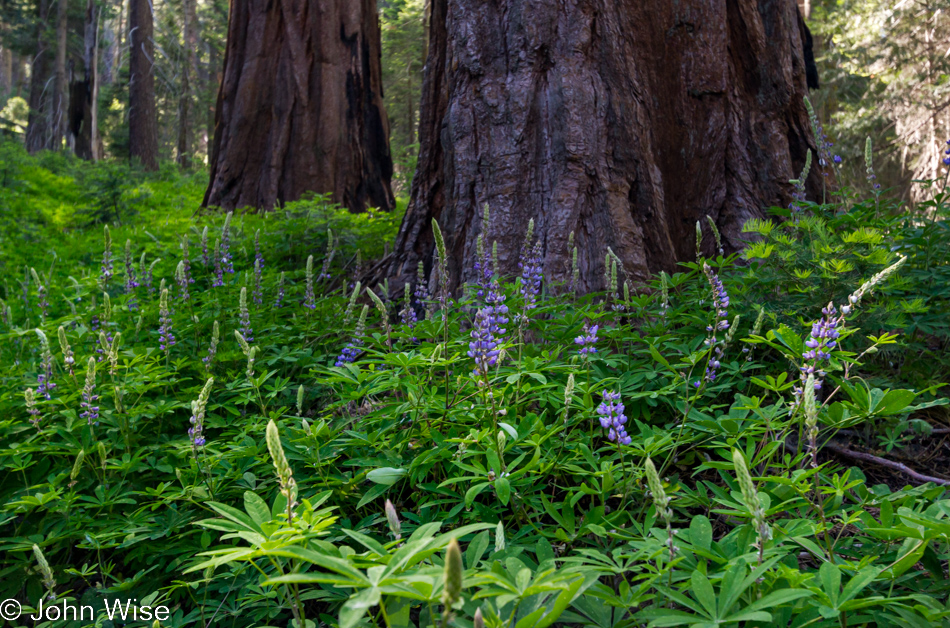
(408, 314)
(258, 256)
(309, 300)
(826, 331)
(699, 241)
(249, 351)
(218, 268)
(352, 348)
(443, 267)
(720, 323)
(40, 294)
(587, 340)
(392, 518)
(181, 278)
(454, 572)
(811, 419)
(661, 502)
(258, 294)
(328, 259)
(225, 252)
(351, 304)
(90, 411)
(279, 301)
(48, 580)
(487, 333)
(798, 193)
(166, 340)
(150, 276)
(130, 281)
(751, 498)
(45, 377)
(68, 359)
(384, 315)
(196, 431)
(612, 418)
(531, 276)
(716, 234)
(213, 347)
(29, 396)
(664, 293)
(824, 146)
(105, 269)
(285, 475)
(205, 257)
(245, 316)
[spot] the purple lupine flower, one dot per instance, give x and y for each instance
(89, 397)
(225, 253)
(205, 258)
(181, 278)
(45, 378)
(408, 312)
(278, 303)
(946, 160)
(185, 259)
(483, 267)
(166, 340)
(43, 301)
(130, 281)
(721, 322)
(613, 419)
(531, 276)
(213, 347)
(196, 431)
(218, 268)
(258, 289)
(837, 159)
(587, 340)
(818, 347)
(352, 348)
(31, 407)
(487, 334)
(350, 352)
(258, 256)
(106, 268)
(422, 286)
(245, 317)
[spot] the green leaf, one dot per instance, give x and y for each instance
(700, 532)
(895, 401)
(257, 508)
(503, 490)
(386, 475)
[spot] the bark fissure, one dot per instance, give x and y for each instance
(300, 107)
(622, 122)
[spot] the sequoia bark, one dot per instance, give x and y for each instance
(621, 121)
(300, 106)
(143, 122)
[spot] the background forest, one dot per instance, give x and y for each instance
(407, 393)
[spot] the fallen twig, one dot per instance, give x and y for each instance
(890, 464)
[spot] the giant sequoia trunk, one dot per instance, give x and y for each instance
(143, 123)
(300, 106)
(38, 135)
(621, 121)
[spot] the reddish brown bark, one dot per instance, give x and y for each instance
(622, 121)
(300, 106)
(143, 123)
(38, 132)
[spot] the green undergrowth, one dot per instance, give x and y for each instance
(314, 452)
